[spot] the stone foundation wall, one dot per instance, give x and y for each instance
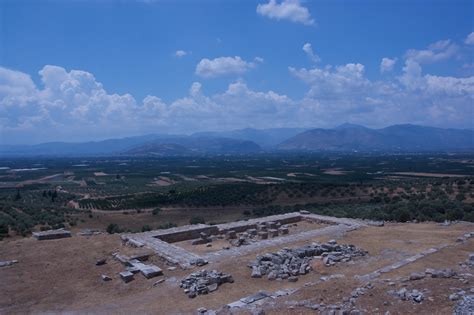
(187, 233)
(241, 226)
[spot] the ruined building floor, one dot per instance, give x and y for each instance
(57, 276)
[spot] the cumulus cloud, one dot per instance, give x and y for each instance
(210, 68)
(291, 10)
(68, 104)
(181, 53)
(439, 51)
(308, 49)
(340, 81)
(469, 39)
(387, 64)
(344, 93)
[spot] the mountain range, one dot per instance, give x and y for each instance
(403, 138)
(345, 138)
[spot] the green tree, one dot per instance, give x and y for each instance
(113, 228)
(146, 228)
(197, 220)
(18, 195)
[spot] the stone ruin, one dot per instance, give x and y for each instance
(262, 232)
(258, 233)
(51, 234)
(204, 238)
(135, 265)
(290, 263)
(204, 282)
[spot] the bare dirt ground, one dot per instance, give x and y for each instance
(133, 220)
(60, 276)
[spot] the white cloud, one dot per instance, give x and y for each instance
(387, 64)
(290, 10)
(66, 103)
(342, 81)
(181, 53)
(439, 51)
(221, 66)
(308, 49)
(344, 93)
(469, 39)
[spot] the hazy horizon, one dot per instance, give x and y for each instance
(83, 71)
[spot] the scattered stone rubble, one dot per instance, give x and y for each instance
(470, 260)
(406, 295)
(204, 282)
(442, 273)
(465, 306)
(347, 306)
(465, 237)
(290, 263)
(262, 231)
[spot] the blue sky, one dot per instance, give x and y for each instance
(99, 69)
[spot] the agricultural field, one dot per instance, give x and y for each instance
(136, 194)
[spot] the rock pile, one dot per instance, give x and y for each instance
(465, 306)
(470, 260)
(405, 295)
(442, 273)
(204, 282)
(290, 263)
(465, 237)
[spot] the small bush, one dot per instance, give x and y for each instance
(113, 228)
(197, 220)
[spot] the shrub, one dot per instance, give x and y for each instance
(156, 211)
(166, 226)
(146, 228)
(113, 228)
(197, 220)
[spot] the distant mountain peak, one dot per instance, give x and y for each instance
(350, 126)
(405, 138)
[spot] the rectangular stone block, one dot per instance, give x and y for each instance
(141, 257)
(151, 271)
(283, 231)
(263, 235)
(230, 235)
(51, 234)
(271, 224)
(126, 276)
(252, 231)
(272, 233)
